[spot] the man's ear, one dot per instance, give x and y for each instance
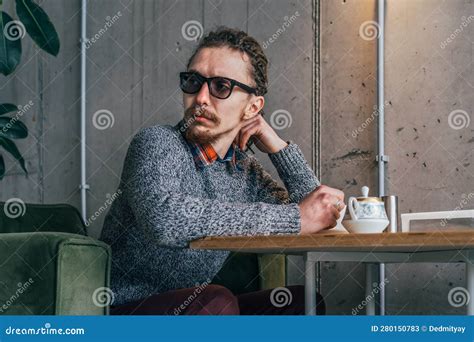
(254, 107)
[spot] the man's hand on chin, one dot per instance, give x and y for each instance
(262, 134)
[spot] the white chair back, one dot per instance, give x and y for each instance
(434, 215)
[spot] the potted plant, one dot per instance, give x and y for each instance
(32, 19)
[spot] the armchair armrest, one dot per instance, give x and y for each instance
(50, 273)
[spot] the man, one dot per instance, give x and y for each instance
(194, 180)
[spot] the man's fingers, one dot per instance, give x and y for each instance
(338, 193)
(252, 120)
(247, 124)
(330, 199)
(332, 191)
(245, 135)
(333, 224)
(334, 215)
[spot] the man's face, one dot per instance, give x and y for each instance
(219, 117)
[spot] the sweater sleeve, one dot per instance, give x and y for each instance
(294, 171)
(152, 181)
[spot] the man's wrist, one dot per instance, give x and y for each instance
(280, 145)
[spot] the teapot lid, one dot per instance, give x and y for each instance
(365, 191)
(365, 196)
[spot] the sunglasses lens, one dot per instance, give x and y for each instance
(190, 83)
(221, 88)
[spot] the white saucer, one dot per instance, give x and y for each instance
(365, 226)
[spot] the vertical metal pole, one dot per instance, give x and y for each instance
(316, 103)
(310, 286)
(470, 285)
(381, 126)
(83, 186)
(380, 97)
(382, 289)
(370, 277)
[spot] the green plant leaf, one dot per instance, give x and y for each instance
(12, 129)
(2, 167)
(13, 150)
(7, 108)
(38, 26)
(10, 44)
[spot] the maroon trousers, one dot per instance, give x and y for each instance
(218, 300)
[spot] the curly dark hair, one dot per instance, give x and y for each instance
(239, 40)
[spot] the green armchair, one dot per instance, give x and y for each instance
(49, 265)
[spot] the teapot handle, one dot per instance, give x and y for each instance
(353, 205)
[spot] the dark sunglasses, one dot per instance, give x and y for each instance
(220, 87)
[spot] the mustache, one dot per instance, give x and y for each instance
(198, 110)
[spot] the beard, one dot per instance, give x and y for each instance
(199, 132)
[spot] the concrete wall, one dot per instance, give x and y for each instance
(52, 85)
(431, 154)
(132, 74)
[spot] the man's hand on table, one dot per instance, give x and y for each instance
(320, 209)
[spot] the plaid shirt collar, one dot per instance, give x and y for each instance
(205, 155)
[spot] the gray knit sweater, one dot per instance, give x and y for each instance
(166, 202)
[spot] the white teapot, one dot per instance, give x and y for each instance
(365, 207)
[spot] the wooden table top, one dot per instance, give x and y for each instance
(340, 241)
